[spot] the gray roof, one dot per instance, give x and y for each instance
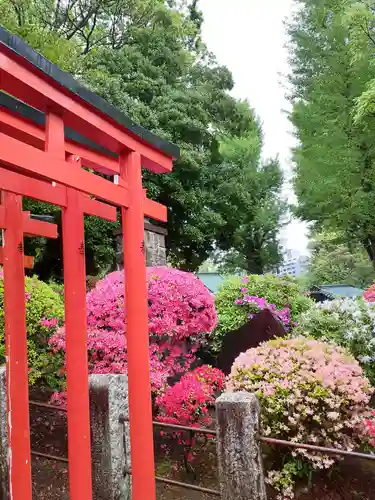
(337, 291)
(211, 280)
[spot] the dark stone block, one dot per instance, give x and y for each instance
(264, 326)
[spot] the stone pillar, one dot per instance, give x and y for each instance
(240, 460)
(110, 439)
(155, 246)
(4, 479)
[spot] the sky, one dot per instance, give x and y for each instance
(248, 36)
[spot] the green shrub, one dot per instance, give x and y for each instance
(349, 323)
(42, 303)
(281, 291)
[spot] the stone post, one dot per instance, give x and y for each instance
(155, 246)
(110, 437)
(240, 461)
(4, 480)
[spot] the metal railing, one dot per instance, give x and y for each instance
(207, 432)
(49, 407)
(191, 431)
(313, 447)
(123, 420)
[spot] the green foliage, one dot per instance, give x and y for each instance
(230, 316)
(146, 58)
(335, 178)
(99, 244)
(334, 262)
(281, 291)
(42, 302)
(349, 323)
(248, 197)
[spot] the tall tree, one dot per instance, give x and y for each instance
(146, 58)
(335, 178)
(334, 262)
(248, 197)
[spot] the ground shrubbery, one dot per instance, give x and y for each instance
(240, 297)
(44, 308)
(180, 306)
(181, 315)
(349, 323)
(310, 392)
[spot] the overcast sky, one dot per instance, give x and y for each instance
(248, 36)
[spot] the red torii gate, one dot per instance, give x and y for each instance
(44, 161)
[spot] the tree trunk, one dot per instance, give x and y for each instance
(254, 263)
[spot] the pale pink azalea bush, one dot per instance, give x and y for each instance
(310, 392)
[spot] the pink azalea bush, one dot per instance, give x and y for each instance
(369, 294)
(107, 353)
(181, 314)
(180, 306)
(188, 401)
(369, 429)
(310, 392)
(191, 402)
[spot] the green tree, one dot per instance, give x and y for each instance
(146, 58)
(335, 177)
(248, 197)
(335, 262)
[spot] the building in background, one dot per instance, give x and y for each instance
(294, 264)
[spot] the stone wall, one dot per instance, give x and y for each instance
(155, 247)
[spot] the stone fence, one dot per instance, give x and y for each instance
(240, 475)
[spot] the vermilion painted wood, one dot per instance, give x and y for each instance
(155, 210)
(31, 87)
(54, 194)
(16, 351)
(98, 209)
(45, 170)
(33, 227)
(28, 262)
(26, 131)
(47, 165)
(141, 434)
(79, 448)
(32, 188)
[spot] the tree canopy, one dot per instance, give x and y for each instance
(331, 68)
(146, 58)
(249, 197)
(334, 262)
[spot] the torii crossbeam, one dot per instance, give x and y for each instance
(52, 131)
